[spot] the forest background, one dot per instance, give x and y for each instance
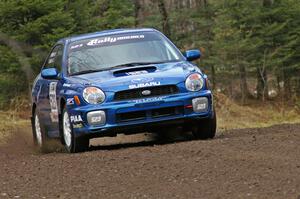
(250, 47)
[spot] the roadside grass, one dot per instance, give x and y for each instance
(254, 115)
(9, 123)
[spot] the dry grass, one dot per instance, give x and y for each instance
(8, 124)
(234, 116)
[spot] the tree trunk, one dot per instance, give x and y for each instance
(262, 84)
(243, 84)
(137, 8)
(298, 87)
(286, 85)
(165, 17)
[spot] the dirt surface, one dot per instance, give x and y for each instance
(249, 163)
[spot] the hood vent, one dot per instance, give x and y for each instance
(135, 71)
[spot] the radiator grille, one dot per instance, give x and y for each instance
(146, 92)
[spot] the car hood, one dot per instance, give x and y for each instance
(139, 76)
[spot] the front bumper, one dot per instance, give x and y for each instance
(141, 115)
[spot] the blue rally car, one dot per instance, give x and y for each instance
(119, 81)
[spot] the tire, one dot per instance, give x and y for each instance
(40, 137)
(206, 128)
(72, 143)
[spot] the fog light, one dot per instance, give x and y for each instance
(200, 104)
(96, 118)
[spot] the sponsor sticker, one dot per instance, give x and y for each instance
(142, 80)
(70, 101)
(76, 46)
(77, 126)
(67, 85)
(76, 119)
(137, 72)
(95, 42)
(143, 85)
(153, 99)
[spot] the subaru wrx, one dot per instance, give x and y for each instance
(122, 81)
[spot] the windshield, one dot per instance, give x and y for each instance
(104, 53)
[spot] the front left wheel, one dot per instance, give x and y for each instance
(72, 143)
(39, 134)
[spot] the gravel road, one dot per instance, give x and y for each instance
(248, 163)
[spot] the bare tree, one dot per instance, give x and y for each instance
(137, 6)
(262, 77)
(165, 17)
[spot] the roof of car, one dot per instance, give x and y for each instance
(104, 33)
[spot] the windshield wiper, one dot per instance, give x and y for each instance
(87, 71)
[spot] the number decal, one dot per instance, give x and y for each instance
(53, 102)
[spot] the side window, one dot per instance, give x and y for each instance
(55, 58)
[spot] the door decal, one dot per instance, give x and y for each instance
(53, 102)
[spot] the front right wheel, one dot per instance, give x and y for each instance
(206, 128)
(72, 143)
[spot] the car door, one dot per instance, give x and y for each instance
(49, 93)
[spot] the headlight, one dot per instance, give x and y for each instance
(93, 95)
(194, 82)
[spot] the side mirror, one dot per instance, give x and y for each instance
(49, 73)
(192, 55)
